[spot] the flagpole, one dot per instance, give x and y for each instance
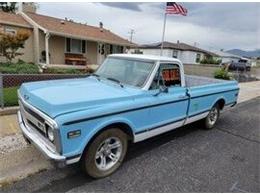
(163, 33)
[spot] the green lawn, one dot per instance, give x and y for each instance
(10, 96)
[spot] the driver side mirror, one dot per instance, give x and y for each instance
(162, 89)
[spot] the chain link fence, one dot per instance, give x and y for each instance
(10, 83)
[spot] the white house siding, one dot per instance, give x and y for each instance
(166, 52)
(229, 59)
(187, 57)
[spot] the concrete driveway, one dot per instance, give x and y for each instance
(225, 159)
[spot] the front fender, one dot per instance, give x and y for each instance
(105, 123)
(89, 129)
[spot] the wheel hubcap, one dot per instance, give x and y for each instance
(108, 153)
(213, 116)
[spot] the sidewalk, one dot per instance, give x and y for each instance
(248, 91)
(18, 160)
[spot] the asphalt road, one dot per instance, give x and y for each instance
(189, 159)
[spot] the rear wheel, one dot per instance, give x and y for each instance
(212, 118)
(105, 154)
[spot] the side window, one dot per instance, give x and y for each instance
(167, 75)
(174, 53)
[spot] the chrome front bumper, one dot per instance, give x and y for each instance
(36, 140)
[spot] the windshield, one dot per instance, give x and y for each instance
(126, 71)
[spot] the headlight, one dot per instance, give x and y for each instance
(50, 134)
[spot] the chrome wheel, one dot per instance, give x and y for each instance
(108, 153)
(213, 116)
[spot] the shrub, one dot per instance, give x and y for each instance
(61, 71)
(222, 74)
(55, 70)
(11, 43)
(19, 68)
(210, 61)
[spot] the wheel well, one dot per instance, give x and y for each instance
(221, 103)
(122, 126)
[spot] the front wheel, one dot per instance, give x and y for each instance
(212, 118)
(105, 154)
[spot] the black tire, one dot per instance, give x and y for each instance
(208, 122)
(89, 161)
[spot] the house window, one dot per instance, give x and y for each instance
(10, 31)
(137, 51)
(174, 54)
(75, 46)
(198, 58)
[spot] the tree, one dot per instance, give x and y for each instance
(8, 6)
(11, 43)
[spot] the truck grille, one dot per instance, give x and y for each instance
(32, 119)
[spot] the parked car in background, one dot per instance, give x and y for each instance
(130, 98)
(241, 65)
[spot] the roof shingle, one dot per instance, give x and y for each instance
(13, 19)
(69, 28)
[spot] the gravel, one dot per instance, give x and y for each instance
(11, 143)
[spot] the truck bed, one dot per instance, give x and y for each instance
(194, 81)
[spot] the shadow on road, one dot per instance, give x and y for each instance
(75, 178)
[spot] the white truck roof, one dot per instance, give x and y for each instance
(146, 57)
(155, 58)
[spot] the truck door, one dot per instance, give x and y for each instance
(169, 101)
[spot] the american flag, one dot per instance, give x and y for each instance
(174, 8)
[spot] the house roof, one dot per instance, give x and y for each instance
(226, 54)
(13, 19)
(72, 29)
(177, 46)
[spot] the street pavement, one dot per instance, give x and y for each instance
(189, 159)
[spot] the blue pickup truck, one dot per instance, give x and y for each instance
(130, 98)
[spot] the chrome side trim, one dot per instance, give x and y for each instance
(160, 130)
(157, 131)
(39, 143)
(73, 160)
(196, 118)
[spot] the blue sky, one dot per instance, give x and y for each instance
(210, 25)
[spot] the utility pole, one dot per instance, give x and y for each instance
(132, 32)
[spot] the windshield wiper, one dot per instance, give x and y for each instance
(95, 75)
(115, 80)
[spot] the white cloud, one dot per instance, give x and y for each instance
(209, 25)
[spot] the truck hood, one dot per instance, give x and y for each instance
(62, 96)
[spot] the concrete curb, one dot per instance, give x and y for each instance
(9, 111)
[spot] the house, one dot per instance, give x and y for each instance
(61, 41)
(186, 53)
(227, 57)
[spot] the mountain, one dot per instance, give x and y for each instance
(253, 53)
